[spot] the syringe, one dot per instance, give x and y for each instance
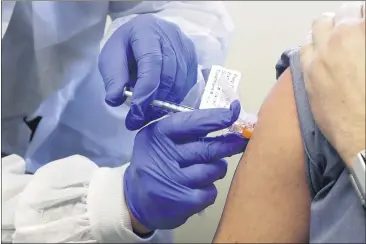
(246, 131)
(165, 105)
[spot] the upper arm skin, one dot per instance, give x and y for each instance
(269, 199)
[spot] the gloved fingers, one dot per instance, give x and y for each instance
(168, 71)
(113, 67)
(202, 198)
(187, 62)
(211, 149)
(169, 67)
(153, 113)
(148, 56)
(191, 125)
(202, 175)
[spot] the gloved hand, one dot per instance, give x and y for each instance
(174, 166)
(153, 56)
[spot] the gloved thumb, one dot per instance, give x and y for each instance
(113, 67)
(193, 176)
(188, 125)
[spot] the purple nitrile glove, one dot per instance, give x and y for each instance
(156, 58)
(174, 166)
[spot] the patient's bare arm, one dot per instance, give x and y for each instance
(269, 199)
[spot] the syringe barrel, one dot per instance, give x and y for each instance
(161, 104)
(236, 127)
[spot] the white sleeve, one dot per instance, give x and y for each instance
(72, 200)
(208, 24)
(13, 183)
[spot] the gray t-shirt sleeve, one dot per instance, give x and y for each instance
(337, 215)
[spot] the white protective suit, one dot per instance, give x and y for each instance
(49, 69)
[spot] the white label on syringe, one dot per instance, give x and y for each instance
(214, 96)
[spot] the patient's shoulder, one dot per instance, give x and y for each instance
(328, 181)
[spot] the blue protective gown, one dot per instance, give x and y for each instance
(49, 69)
(49, 65)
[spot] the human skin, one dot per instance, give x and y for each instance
(269, 200)
(333, 63)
